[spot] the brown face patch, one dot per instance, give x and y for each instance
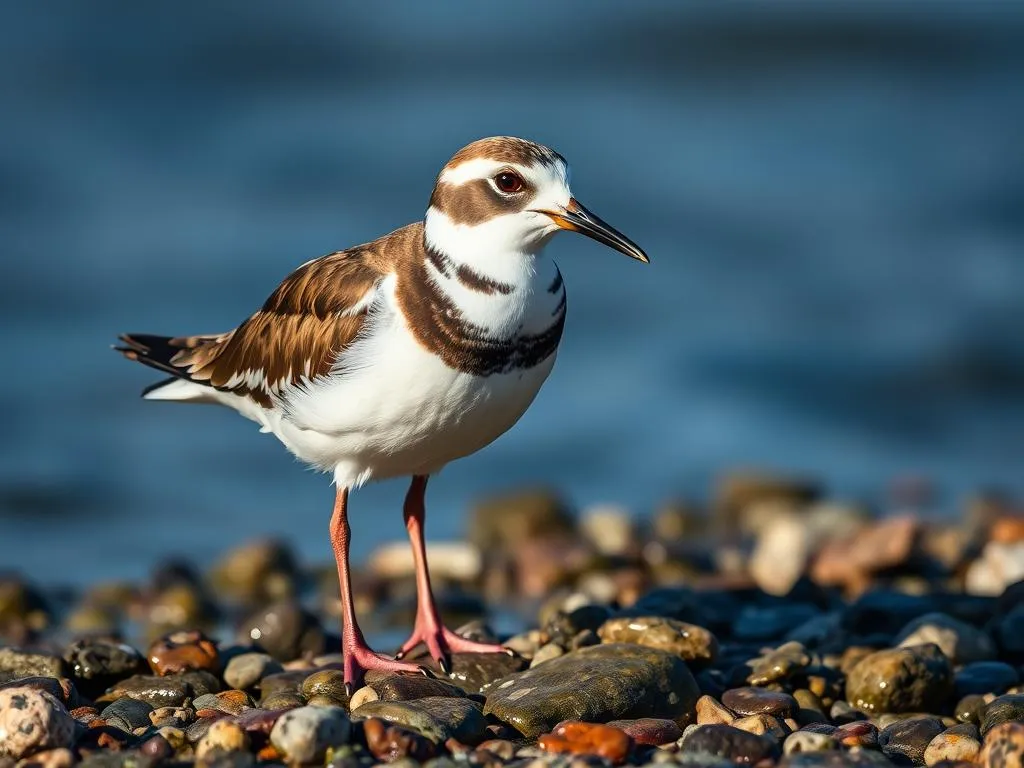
(439, 327)
(477, 201)
(506, 149)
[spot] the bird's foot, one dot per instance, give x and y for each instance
(360, 659)
(441, 642)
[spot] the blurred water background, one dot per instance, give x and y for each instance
(832, 196)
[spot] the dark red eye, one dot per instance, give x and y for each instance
(508, 182)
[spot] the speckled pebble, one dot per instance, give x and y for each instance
(31, 721)
(961, 742)
(303, 735)
(808, 741)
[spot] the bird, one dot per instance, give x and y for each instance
(398, 356)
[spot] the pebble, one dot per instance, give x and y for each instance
(985, 677)
(755, 701)
(391, 743)
(546, 652)
(303, 735)
(778, 664)
(960, 642)
(97, 664)
(710, 712)
(231, 702)
(959, 743)
(224, 736)
(693, 644)
(907, 740)
(477, 672)
(285, 630)
(247, 669)
(32, 721)
(808, 741)
(183, 651)
(578, 738)
(1003, 746)
(1003, 709)
(649, 683)
(255, 573)
(436, 718)
(901, 680)
(15, 664)
(730, 743)
(127, 714)
(652, 731)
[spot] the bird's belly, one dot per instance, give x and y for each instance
(403, 411)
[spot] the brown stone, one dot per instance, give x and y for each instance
(391, 742)
(578, 738)
(183, 651)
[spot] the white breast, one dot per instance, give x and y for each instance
(396, 409)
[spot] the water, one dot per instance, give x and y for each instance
(833, 200)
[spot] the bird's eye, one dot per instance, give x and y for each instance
(508, 182)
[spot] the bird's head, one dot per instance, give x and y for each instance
(509, 195)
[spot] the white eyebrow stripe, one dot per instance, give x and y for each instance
(479, 168)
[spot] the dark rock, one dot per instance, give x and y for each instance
(285, 630)
(563, 626)
(15, 664)
(886, 613)
(127, 714)
(394, 687)
(985, 677)
(283, 683)
(694, 645)
(766, 623)
(755, 701)
(1009, 634)
(97, 664)
(917, 679)
(906, 741)
(476, 672)
(598, 684)
(63, 689)
(1003, 709)
(152, 689)
(435, 717)
(652, 731)
(731, 743)
(970, 709)
(201, 681)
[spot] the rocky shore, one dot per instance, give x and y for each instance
(771, 626)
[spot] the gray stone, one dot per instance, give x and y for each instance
(303, 735)
(246, 670)
(605, 682)
(729, 742)
(15, 664)
(127, 714)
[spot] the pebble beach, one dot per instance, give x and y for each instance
(774, 625)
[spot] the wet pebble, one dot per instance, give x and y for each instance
(183, 651)
(230, 702)
(477, 672)
(32, 721)
(436, 718)
(393, 687)
(247, 669)
(729, 743)
(649, 683)
(127, 714)
(578, 738)
(695, 645)
(285, 630)
(1003, 709)
(303, 735)
(907, 740)
(389, 743)
(778, 664)
(97, 664)
(652, 731)
(755, 701)
(917, 679)
(959, 743)
(860, 733)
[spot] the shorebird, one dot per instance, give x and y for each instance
(395, 357)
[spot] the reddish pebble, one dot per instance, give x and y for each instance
(652, 731)
(390, 742)
(858, 734)
(183, 652)
(578, 738)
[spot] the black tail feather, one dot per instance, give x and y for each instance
(154, 351)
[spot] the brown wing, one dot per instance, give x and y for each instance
(297, 334)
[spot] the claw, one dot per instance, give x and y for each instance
(399, 654)
(427, 672)
(445, 665)
(348, 690)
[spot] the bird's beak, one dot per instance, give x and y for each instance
(576, 218)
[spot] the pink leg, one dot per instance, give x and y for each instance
(440, 641)
(357, 654)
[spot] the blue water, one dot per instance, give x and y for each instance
(832, 196)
